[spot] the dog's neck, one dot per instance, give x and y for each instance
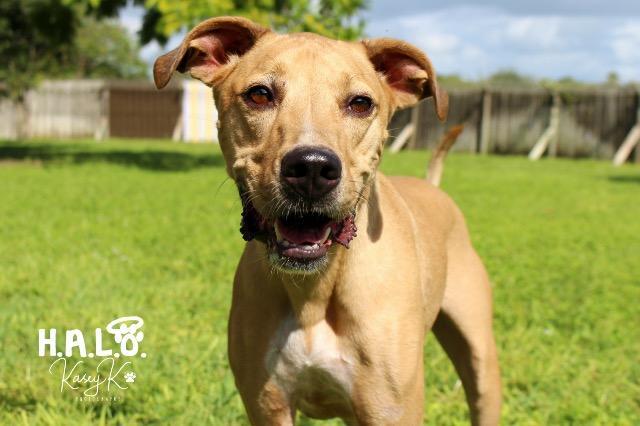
(312, 297)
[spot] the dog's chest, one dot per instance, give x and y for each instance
(310, 365)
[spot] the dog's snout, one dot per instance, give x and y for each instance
(311, 172)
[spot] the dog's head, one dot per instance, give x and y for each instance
(302, 123)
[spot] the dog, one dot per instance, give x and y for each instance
(345, 269)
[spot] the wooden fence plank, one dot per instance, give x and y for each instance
(550, 134)
(627, 146)
(485, 132)
(402, 138)
(631, 141)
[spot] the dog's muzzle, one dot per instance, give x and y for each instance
(301, 238)
(298, 241)
(296, 229)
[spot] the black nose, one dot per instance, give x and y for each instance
(311, 172)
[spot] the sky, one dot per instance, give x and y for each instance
(543, 39)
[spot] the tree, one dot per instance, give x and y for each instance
(62, 38)
(104, 49)
(510, 78)
(613, 79)
(35, 37)
(455, 81)
(332, 18)
(70, 37)
(163, 18)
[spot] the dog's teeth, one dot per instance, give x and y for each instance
(326, 234)
(285, 243)
(278, 235)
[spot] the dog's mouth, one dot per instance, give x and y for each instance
(308, 237)
(297, 241)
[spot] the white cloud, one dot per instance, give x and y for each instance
(477, 41)
(441, 42)
(596, 8)
(626, 42)
(626, 47)
(534, 32)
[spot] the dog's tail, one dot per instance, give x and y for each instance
(436, 164)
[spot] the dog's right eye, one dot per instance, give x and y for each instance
(259, 96)
(360, 105)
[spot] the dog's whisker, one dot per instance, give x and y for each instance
(225, 180)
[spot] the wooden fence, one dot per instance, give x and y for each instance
(138, 110)
(63, 109)
(580, 123)
(10, 117)
(93, 109)
(589, 123)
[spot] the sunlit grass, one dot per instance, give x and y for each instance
(89, 232)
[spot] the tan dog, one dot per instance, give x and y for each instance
(314, 326)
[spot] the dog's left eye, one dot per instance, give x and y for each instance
(259, 95)
(360, 105)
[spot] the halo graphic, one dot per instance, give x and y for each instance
(123, 329)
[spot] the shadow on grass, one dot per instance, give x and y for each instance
(150, 159)
(625, 179)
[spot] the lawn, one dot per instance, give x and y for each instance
(90, 232)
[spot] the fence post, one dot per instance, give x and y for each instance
(555, 111)
(102, 132)
(637, 155)
(176, 135)
(415, 119)
(22, 117)
(550, 135)
(485, 124)
(402, 138)
(631, 140)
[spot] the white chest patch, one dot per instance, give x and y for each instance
(310, 363)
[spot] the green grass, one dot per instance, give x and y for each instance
(90, 232)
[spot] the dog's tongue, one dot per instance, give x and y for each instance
(299, 232)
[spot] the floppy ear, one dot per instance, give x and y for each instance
(408, 73)
(207, 47)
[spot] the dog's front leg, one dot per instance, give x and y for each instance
(251, 327)
(269, 406)
(389, 392)
(265, 402)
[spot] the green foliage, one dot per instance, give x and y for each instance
(91, 231)
(163, 18)
(504, 79)
(104, 49)
(332, 18)
(613, 79)
(454, 81)
(570, 83)
(510, 79)
(54, 38)
(62, 38)
(567, 83)
(35, 38)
